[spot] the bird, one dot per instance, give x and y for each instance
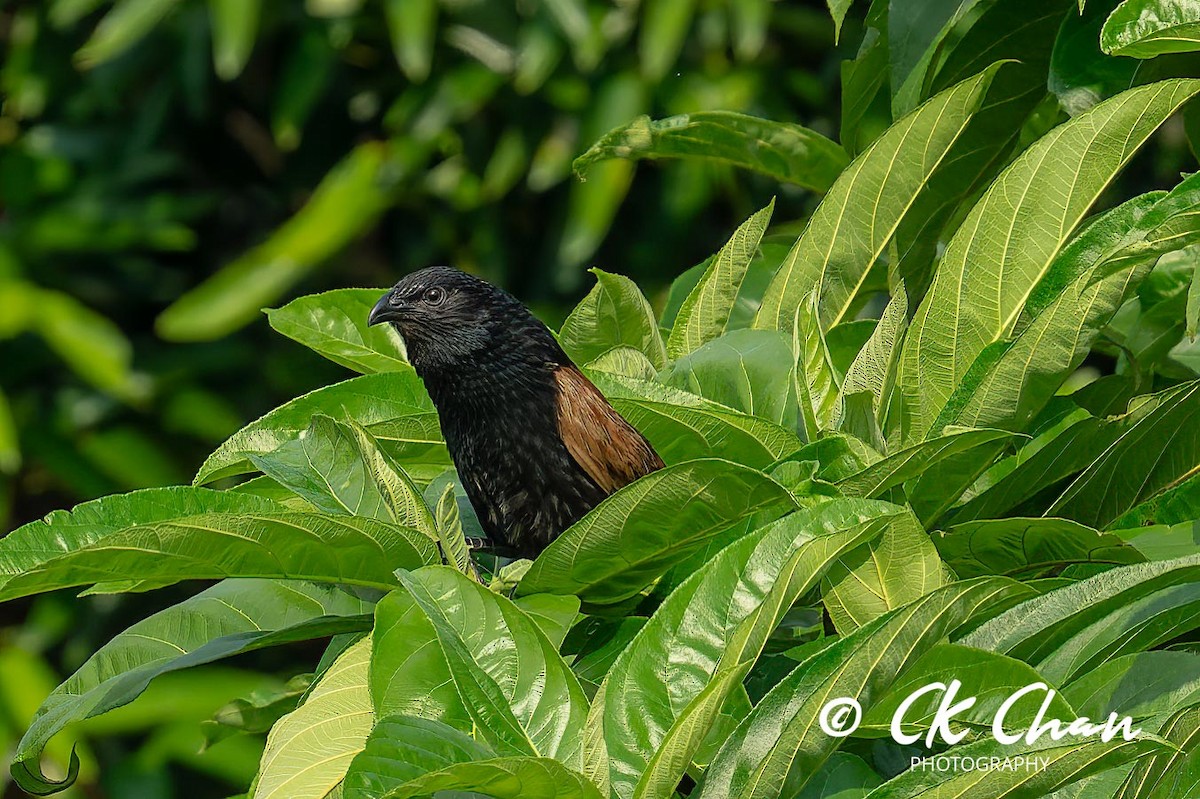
(536, 445)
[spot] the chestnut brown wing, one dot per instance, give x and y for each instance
(604, 445)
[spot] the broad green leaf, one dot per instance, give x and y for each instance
(451, 650)
(704, 314)
(1010, 381)
(639, 532)
(874, 367)
(855, 221)
(1080, 74)
(392, 406)
(302, 546)
(780, 744)
(1172, 773)
(715, 621)
(1178, 503)
(781, 150)
(1147, 28)
(814, 380)
(334, 324)
(992, 266)
(624, 362)
(234, 28)
(916, 460)
(1061, 763)
(894, 569)
(412, 25)
(1070, 629)
(346, 203)
(61, 532)
(310, 749)
(747, 370)
(340, 469)
(502, 778)
(232, 617)
(1150, 457)
(404, 748)
(1138, 685)
(1027, 547)
(987, 676)
(613, 314)
(122, 27)
(698, 429)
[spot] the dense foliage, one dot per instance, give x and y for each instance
(949, 431)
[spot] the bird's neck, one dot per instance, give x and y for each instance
(499, 382)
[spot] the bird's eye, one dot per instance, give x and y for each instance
(435, 295)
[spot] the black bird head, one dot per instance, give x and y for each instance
(451, 321)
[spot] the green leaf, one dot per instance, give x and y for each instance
(304, 546)
(661, 35)
(780, 744)
(855, 221)
(1139, 685)
(1150, 457)
(1171, 773)
(61, 532)
(334, 324)
(93, 346)
(747, 370)
(502, 778)
(988, 677)
(896, 568)
(1072, 629)
(310, 749)
(781, 150)
(412, 25)
(392, 406)
(340, 469)
(1010, 381)
(1028, 547)
(232, 617)
(683, 426)
(814, 380)
(404, 748)
(1061, 764)
(874, 367)
(715, 621)
(1147, 28)
(992, 267)
(346, 203)
(704, 314)
(613, 314)
(258, 712)
(449, 649)
(1180, 502)
(121, 28)
(234, 29)
(10, 444)
(838, 10)
(639, 532)
(914, 461)
(449, 531)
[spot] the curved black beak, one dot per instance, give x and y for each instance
(383, 311)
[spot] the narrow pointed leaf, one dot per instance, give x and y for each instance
(704, 314)
(992, 266)
(815, 381)
(855, 221)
